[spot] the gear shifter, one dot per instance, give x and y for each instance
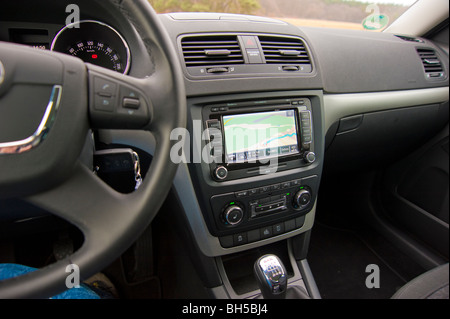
(271, 277)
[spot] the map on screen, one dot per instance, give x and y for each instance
(260, 135)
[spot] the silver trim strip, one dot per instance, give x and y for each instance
(41, 132)
(70, 26)
(2, 73)
(337, 106)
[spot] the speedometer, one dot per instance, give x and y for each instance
(94, 42)
(98, 53)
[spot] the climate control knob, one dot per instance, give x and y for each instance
(302, 199)
(233, 215)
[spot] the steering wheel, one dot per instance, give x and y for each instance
(48, 104)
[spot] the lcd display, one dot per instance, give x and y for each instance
(254, 137)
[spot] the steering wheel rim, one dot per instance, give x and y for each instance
(109, 221)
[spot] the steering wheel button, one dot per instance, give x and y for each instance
(103, 103)
(104, 87)
(131, 103)
(129, 92)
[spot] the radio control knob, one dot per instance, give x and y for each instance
(309, 157)
(233, 215)
(302, 199)
(220, 173)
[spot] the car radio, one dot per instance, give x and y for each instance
(258, 137)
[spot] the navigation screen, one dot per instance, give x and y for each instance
(257, 136)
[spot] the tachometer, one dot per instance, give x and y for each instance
(94, 42)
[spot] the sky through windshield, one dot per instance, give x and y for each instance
(373, 15)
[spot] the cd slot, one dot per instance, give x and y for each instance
(266, 169)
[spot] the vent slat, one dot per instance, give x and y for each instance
(205, 57)
(430, 61)
(287, 56)
(280, 50)
(280, 43)
(200, 43)
(198, 51)
(203, 52)
(210, 46)
(433, 69)
(209, 62)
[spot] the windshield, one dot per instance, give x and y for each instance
(372, 15)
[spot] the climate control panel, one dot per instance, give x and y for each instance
(251, 209)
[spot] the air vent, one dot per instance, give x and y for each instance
(211, 51)
(409, 39)
(431, 63)
(281, 50)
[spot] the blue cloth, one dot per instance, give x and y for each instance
(13, 270)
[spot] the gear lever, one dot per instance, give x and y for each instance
(271, 277)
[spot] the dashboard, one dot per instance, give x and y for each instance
(329, 88)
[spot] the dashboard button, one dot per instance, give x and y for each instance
(305, 115)
(264, 189)
(275, 187)
(241, 194)
(278, 229)
(266, 232)
(289, 225)
(299, 222)
(240, 239)
(213, 124)
(285, 185)
(226, 241)
(220, 173)
(306, 123)
(296, 182)
(253, 235)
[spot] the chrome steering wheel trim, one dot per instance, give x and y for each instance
(17, 147)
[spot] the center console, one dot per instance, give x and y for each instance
(261, 164)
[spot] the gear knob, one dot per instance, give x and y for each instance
(271, 277)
